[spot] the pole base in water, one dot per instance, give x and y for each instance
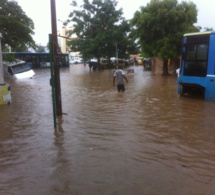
(5, 95)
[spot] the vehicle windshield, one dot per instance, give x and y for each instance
(19, 68)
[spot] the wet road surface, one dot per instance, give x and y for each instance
(147, 141)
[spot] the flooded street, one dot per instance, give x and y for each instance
(147, 141)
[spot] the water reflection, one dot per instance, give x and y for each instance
(145, 141)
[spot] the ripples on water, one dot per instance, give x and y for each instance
(145, 141)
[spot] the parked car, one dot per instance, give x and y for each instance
(113, 63)
(95, 66)
(120, 62)
(147, 63)
(18, 70)
(107, 64)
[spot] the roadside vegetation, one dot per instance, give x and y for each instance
(16, 27)
(102, 31)
(160, 25)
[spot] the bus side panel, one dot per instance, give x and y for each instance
(211, 56)
(182, 65)
(209, 89)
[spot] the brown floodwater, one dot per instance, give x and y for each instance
(147, 141)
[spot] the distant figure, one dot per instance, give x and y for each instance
(178, 71)
(119, 75)
(135, 60)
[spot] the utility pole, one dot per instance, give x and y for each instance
(56, 60)
(117, 53)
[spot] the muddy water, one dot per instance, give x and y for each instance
(145, 141)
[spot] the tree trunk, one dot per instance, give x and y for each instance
(165, 67)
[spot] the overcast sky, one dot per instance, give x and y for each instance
(39, 12)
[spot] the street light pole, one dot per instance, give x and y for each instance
(56, 60)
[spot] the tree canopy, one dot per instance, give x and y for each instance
(160, 25)
(16, 28)
(100, 28)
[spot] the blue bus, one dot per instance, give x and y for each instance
(39, 60)
(197, 70)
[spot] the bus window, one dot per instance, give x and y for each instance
(202, 52)
(196, 59)
(40, 60)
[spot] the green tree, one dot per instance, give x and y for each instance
(15, 27)
(160, 25)
(99, 28)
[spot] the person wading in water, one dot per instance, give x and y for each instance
(119, 76)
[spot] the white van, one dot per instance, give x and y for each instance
(76, 60)
(18, 70)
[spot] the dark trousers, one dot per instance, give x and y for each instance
(121, 87)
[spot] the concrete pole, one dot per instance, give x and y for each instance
(5, 95)
(1, 66)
